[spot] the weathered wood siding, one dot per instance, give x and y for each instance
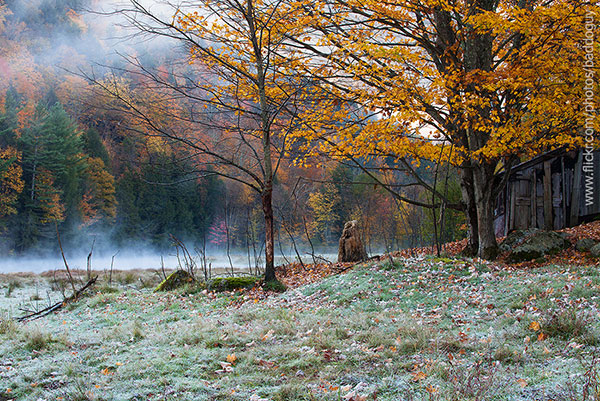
(549, 192)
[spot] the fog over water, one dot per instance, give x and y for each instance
(101, 42)
(127, 260)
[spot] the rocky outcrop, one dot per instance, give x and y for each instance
(595, 250)
(538, 245)
(516, 238)
(351, 247)
(584, 244)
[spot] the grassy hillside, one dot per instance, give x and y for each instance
(408, 329)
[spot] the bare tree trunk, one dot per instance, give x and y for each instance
(312, 248)
(112, 263)
(289, 233)
(267, 204)
(89, 261)
(227, 234)
(248, 239)
(287, 262)
(64, 259)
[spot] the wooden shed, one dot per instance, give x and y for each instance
(555, 190)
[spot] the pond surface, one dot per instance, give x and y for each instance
(131, 260)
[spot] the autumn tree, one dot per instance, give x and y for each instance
(11, 171)
(479, 84)
(237, 102)
(11, 181)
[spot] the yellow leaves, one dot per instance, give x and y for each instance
(534, 325)
(430, 389)
(158, 145)
(417, 376)
(521, 106)
(108, 371)
(522, 383)
(11, 181)
(100, 197)
(231, 358)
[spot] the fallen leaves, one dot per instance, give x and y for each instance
(417, 376)
(267, 335)
(569, 256)
(295, 275)
(265, 364)
(107, 371)
(226, 367)
(255, 397)
(361, 392)
(352, 396)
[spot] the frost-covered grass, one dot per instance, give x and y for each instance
(430, 329)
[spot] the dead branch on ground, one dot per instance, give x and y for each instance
(53, 308)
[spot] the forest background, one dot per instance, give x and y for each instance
(74, 161)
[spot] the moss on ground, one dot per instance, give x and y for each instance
(274, 285)
(232, 283)
(177, 279)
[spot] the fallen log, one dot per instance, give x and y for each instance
(53, 308)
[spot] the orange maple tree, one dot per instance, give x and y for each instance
(478, 84)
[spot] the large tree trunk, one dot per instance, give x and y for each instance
(488, 247)
(267, 204)
(468, 196)
(483, 182)
(478, 57)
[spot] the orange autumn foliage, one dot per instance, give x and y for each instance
(11, 181)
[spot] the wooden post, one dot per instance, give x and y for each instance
(513, 196)
(534, 199)
(548, 224)
(574, 215)
(506, 208)
(563, 198)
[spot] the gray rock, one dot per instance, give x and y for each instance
(538, 245)
(584, 244)
(595, 250)
(516, 238)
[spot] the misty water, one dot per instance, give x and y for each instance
(141, 260)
